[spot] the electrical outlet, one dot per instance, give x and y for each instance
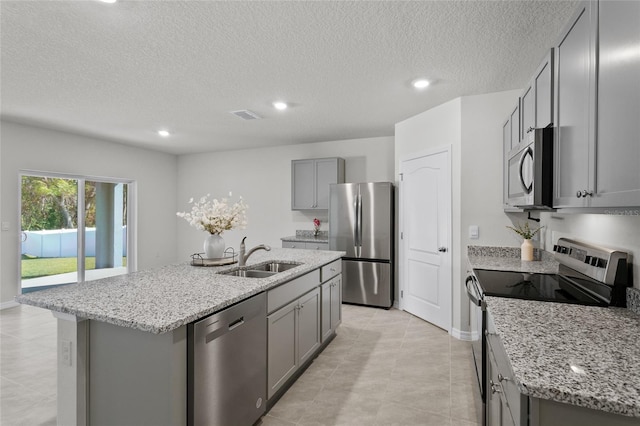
(65, 353)
(474, 232)
(5, 226)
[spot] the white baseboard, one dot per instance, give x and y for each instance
(9, 304)
(462, 335)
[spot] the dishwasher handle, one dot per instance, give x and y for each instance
(228, 320)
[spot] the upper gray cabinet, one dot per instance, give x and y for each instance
(536, 102)
(617, 149)
(310, 180)
(597, 107)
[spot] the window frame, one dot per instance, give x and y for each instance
(132, 234)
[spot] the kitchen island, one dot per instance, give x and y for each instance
(571, 364)
(122, 341)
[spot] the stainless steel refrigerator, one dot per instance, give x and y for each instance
(361, 223)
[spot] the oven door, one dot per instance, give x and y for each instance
(478, 325)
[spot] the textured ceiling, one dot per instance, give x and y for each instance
(121, 71)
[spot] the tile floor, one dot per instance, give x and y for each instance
(383, 368)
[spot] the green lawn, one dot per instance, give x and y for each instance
(34, 267)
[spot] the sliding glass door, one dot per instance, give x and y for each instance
(74, 229)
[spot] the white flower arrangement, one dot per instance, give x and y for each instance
(215, 216)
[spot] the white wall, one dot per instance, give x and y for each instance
(473, 127)
(32, 148)
(263, 178)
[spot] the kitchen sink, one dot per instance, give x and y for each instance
(274, 267)
(249, 273)
(261, 271)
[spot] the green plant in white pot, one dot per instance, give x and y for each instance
(525, 231)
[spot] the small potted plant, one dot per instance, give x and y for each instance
(316, 227)
(526, 249)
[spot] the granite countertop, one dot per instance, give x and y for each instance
(304, 236)
(163, 299)
(543, 340)
(508, 259)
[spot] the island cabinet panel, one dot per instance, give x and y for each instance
(309, 329)
(294, 338)
(136, 377)
(282, 355)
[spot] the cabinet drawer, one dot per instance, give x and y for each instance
(293, 244)
(287, 292)
(317, 246)
(331, 270)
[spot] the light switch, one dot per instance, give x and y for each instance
(474, 232)
(5, 226)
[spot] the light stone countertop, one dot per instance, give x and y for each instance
(543, 340)
(163, 299)
(508, 259)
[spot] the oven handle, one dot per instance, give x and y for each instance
(474, 295)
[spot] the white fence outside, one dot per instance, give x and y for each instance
(62, 242)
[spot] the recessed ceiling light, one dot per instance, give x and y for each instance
(280, 105)
(420, 83)
(164, 133)
(108, 1)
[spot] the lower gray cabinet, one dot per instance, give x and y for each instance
(294, 337)
(306, 246)
(331, 306)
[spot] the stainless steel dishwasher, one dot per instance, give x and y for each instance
(227, 365)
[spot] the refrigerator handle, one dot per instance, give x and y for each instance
(355, 225)
(359, 219)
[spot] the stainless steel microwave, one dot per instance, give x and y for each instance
(530, 171)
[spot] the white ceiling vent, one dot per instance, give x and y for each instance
(245, 114)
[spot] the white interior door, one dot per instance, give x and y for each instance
(425, 226)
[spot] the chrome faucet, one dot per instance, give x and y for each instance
(242, 257)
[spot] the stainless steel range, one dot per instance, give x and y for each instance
(588, 274)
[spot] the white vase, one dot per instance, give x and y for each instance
(213, 246)
(526, 250)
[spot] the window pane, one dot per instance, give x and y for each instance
(49, 220)
(105, 229)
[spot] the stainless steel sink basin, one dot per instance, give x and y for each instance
(249, 273)
(274, 267)
(261, 271)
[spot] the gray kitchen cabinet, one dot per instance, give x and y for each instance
(294, 337)
(309, 325)
(331, 306)
(617, 149)
(597, 105)
(574, 108)
(310, 180)
(536, 101)
(514, 126)
(305, 245)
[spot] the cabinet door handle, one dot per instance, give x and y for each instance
(501, 378)
(495, 388)
(584, 193)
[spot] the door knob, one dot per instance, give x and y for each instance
(442, 249)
